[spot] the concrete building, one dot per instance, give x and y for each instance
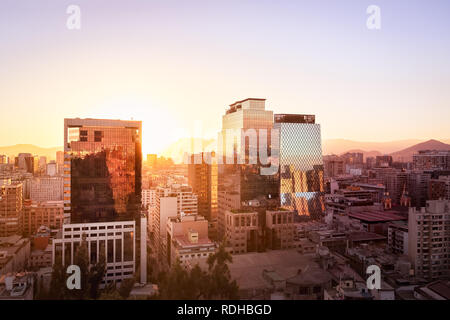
(273, 275)
(418, 184)
(187, 241)
(439, 188)
(149, 198)
(166, 207)
(47, 189)
(17, 286)
(26, 162)
(10, 209)
(280, 229)
(51, 168)
(398, 237)
(114, 240)
(383, 161)
(242, 228)
(432, 160)
(37, 214)
(428, 239)
(333, 166)
(41, 258)
(14, 253)
(203, 178)
(227, 200)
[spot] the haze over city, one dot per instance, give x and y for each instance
(177, 65)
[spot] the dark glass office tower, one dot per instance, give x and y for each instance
(301, 165)
(102, 174)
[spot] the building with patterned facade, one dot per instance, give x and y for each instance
(301, 164)
(46, 189)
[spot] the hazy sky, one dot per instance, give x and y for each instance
(173, 64)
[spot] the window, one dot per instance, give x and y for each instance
(98, 135)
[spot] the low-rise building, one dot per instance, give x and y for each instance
(280, 229)
(398, 237)
(17, 286)
(37, 214)
(14, 254)
(242, 228)
(187, 241)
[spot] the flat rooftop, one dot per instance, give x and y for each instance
(373, 216)
(247, 269)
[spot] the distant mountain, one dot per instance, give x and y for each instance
(14, 150)
(339, 146)
(366, 154)
(405, 155)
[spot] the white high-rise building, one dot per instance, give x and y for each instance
(148, 197)
(174, 201)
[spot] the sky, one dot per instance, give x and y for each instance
(177, 65)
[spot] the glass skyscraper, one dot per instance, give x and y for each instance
(102, 196)
(247, 118)
(301, 165)
(102, 170)
(244, 126)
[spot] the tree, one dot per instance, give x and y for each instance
(91, 276)
(125, 287)
(57, 288)
(81, 259)
(220, 285)
(179, 284)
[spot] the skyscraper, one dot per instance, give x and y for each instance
(102, 194)
(244, 141)
(202, 177)
(301, 165)
(103, 160)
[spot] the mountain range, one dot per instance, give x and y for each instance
(14, 150)
(400, 150)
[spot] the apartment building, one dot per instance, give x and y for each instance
(429, 239)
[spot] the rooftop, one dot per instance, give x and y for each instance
(376, 216)
(247, 269)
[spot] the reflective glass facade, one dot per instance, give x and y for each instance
(102, 170)
(245, 178)
(301, 165)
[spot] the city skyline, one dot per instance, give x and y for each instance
(121, 65)
(237, 153)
